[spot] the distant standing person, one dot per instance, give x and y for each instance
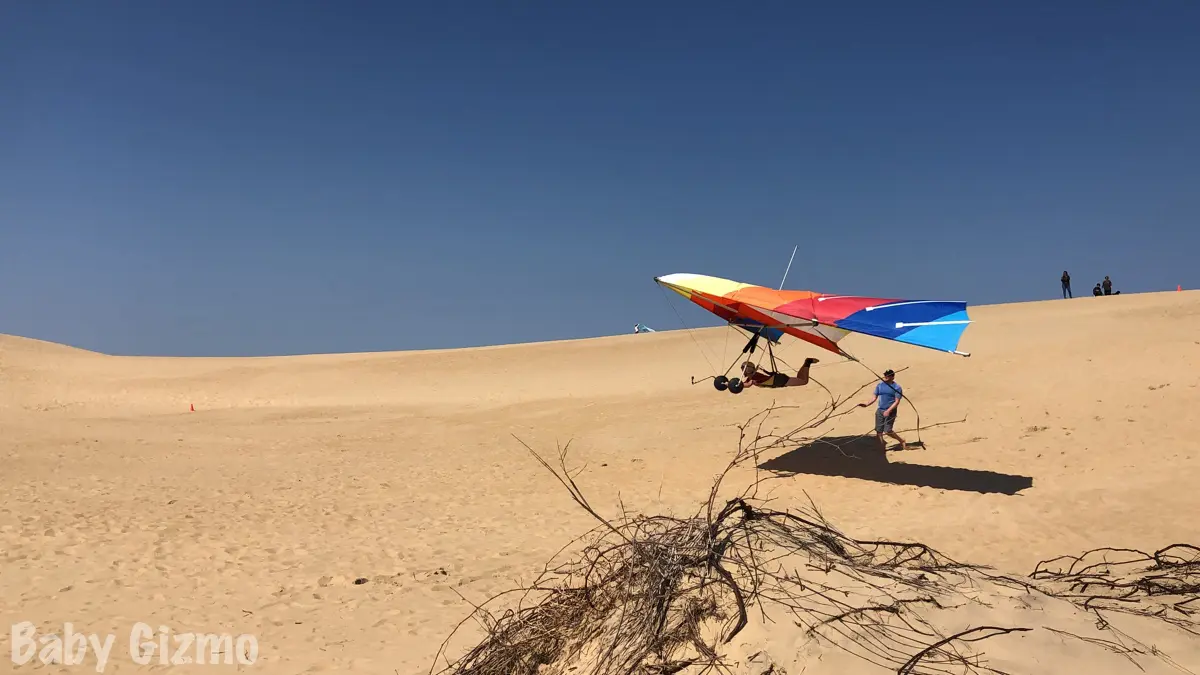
(888, 393)
(1066, 284)
(1106, 285)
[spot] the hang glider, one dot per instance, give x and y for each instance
(823, 319)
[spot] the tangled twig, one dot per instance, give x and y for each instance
(663, 594)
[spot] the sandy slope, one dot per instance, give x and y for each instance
(297, 475)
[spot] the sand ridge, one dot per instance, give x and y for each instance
(1069, 428)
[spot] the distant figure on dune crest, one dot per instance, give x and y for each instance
(888, 393)
(753, 377)
(1066, 285)
(1104, 288)
(639, 328)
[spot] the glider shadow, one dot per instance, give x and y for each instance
(860, 457)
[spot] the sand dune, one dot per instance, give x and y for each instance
(1071, 427)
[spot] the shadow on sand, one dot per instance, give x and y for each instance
(860, 457)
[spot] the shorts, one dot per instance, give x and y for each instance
(883, 424)
(776, 380)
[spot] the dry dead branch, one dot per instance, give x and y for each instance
(653, 594)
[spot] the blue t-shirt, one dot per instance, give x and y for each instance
(888, 393)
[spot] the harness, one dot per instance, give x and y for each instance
(777, 380)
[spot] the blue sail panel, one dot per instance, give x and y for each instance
(943, 334)
(934, 324)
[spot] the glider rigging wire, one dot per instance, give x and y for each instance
(689, 330)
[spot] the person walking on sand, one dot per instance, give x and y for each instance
(888, 393)
(1066, 284)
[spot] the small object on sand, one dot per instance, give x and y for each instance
(360, 581)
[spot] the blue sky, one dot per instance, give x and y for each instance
(230, 178)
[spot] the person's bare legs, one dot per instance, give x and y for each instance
(801, 377)
(883, 427)
(883, 443)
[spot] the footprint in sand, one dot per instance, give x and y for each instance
(396, 580)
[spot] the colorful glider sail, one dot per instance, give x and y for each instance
(824, 319)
